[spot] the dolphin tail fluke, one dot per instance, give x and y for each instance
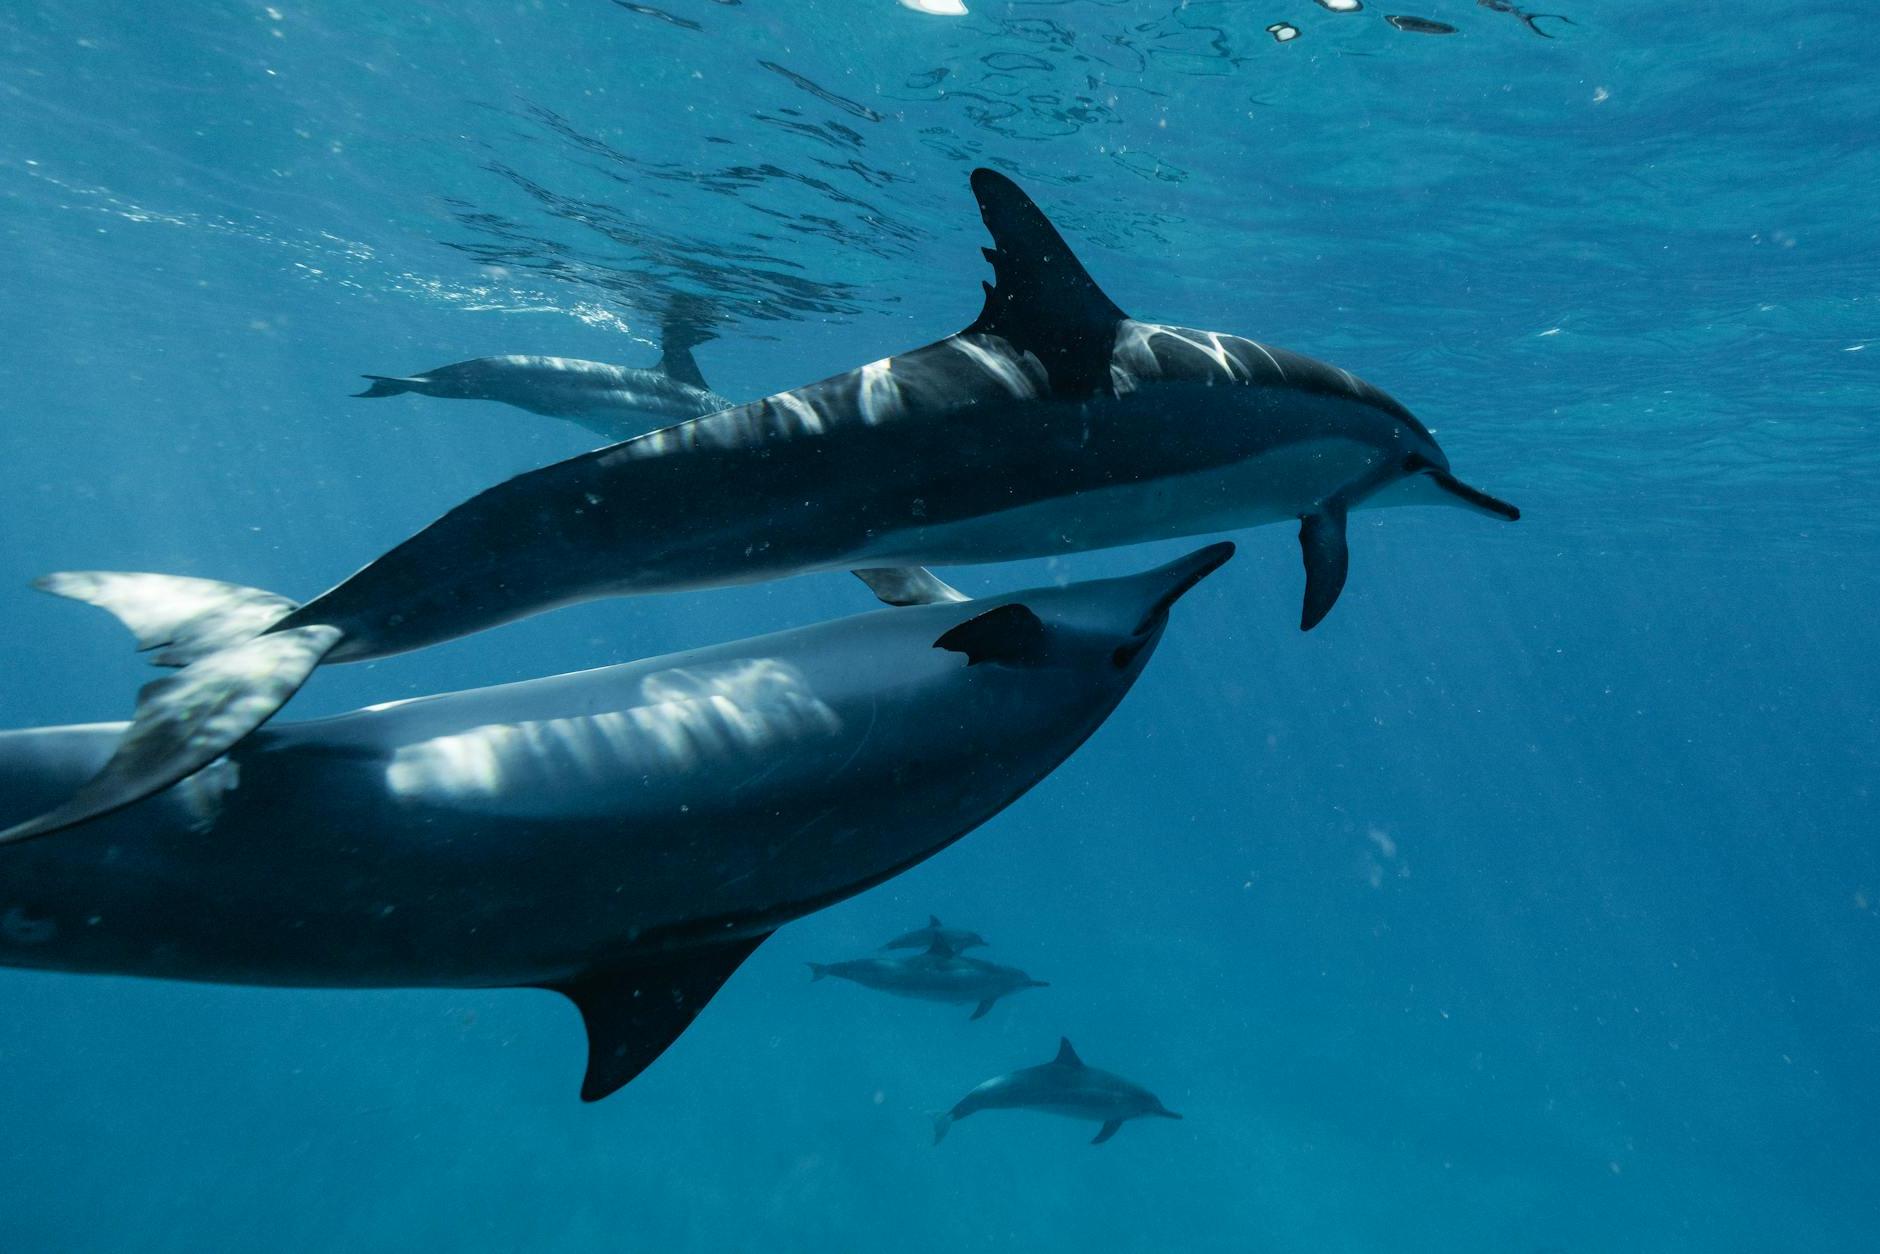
(390, 385)
(1474, 498)
(182, 617)
(187, 720)
(817, 970)
(942, 1120)
(632, 1014)
(1327, 558)
(1107, 1131)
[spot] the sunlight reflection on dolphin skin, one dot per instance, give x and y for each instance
(690, 719)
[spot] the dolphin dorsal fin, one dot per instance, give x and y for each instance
(685, 325)
(941, 947)
(1042, 301)
(1066, 1056)
(933, 921)
(676, 364)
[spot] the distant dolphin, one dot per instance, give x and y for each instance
(625, 836)
(957, 939)
(614, 402)
(1063, 1086)
(1054, 423)
(938, 974)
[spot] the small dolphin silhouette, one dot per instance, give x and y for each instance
(1064, 1086)
(938, 974)
(956, 939)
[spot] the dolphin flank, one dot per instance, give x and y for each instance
(624, 836)
(1064, 1086)
(1054, 423)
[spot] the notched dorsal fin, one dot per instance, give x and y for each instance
(1066, 1056)
(1042, 300)
(1010, 634)
(633, 1013)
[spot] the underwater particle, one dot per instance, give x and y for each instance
(938, 8)
(1342, 6)
(1283, 32)
(1419, 25)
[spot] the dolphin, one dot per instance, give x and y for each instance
(956, 939)
(614, 402)
(624, 836)
(1063, 1086)
(1054, 423)
(938, 974)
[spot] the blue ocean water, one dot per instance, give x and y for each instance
(1528, 904)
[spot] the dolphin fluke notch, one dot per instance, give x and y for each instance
(189, 719)
(1042, 300)
(633, 1014)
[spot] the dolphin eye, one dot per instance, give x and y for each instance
(1416, 463)
(1125, 654)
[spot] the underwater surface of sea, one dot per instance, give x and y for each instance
(1530, 903)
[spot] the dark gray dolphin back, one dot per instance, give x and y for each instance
(1042, 300)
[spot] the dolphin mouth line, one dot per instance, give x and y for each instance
(1474, 496)
(1199, 565)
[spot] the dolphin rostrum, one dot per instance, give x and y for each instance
(1054, 423)
(614, 402)
(625, 836)
(938, 974)
(956, 939)
(1064, 1086)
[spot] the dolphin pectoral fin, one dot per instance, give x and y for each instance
(1327, 558)
(908, 585)
(187, 720)
(942, 1120)
(1107, 1131)
(633, 1013)
(1009, 634)
(983, 1008)
(1042, 300)
(1474, 498)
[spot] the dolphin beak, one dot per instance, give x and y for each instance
(1172, 581)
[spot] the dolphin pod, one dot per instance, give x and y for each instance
(1053, 423)
(1064, 1086)
(625, 836)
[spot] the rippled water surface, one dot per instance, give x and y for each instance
(1527, 905)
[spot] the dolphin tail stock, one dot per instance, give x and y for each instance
(942, 1120)
(389, 385)
(235, 675)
